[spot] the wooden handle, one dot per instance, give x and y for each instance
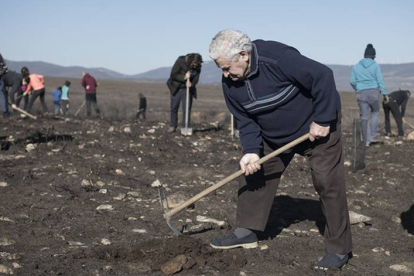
(234, 176)
(24, 112)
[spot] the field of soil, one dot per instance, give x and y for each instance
(78, 195)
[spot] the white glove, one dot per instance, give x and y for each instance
(247, 163)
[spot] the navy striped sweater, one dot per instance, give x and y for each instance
(283, 94)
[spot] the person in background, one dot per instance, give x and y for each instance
(3, 92)
(13, 81)
(142, 106)
(277, 95)
(37, 83)
(185, 73)
(397, 102)
(366, 79)
(90, 85)
(65, 98)
(57, 95)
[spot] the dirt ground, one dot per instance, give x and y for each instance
(77, 195)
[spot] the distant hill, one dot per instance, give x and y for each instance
(395, 75)
(53, 70)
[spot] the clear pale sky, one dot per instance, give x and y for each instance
(134, 36)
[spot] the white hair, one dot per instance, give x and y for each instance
(228, 44)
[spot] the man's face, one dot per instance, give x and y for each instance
(195, 64)
(235, 70)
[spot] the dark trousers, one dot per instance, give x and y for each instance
(395, 110)
(4, 100)
(180, 97)
(141, 112)
(326, 160)
(65, 107)
(91, 102)
(37, 93)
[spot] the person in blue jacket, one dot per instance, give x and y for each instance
(57, 95)
(276, 96)
(367, 81)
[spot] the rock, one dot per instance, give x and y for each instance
(85, 182)
(30, 147)
(133, 194)
(410, 136)
(100, 183)
(105, 207)
(75, 243)
(396, 219)
(5, 270)
(264, 247)
(401, 268)
(151, 172)
(347, 163)
(105, 241)
(119, 172)
(156, 183)
(378, 249)
(398, 143)
(103, 191)
(127, 130)
(174, 200)
(120, 197)
(174, 266)
(16, 265)
(3, 184)
(151, 130)
(6, 242)
(141, 231)
(356, 218)
(5, 219)
(206, 219)
(111, 129)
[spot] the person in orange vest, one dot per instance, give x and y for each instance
(37, 83)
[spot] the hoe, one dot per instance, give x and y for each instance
(170, 213)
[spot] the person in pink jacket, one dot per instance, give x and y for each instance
(36, 83)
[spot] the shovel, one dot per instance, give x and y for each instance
(168, 215)
(23, 112)
(186, 130)
(80, 108)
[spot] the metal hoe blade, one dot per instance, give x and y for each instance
(164, 204)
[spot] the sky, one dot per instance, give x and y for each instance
(134, 36)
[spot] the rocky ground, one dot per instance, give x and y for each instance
(79, 197)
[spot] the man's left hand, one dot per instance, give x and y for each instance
(317, 131)
(188, 83)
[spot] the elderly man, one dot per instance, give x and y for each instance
(276, 96)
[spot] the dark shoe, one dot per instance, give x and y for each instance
(331, 260)
(171, 129)
(232, 241)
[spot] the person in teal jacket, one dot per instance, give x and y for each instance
(366, 79)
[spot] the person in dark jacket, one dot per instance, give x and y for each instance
(90, 85)
(185, 73)
(13, 81)
(396, 103)
(3, 93)
(276, 96)
(142, 106)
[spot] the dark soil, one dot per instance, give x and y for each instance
(50, 224)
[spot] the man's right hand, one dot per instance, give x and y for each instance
(248, 165)
(13, 106)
